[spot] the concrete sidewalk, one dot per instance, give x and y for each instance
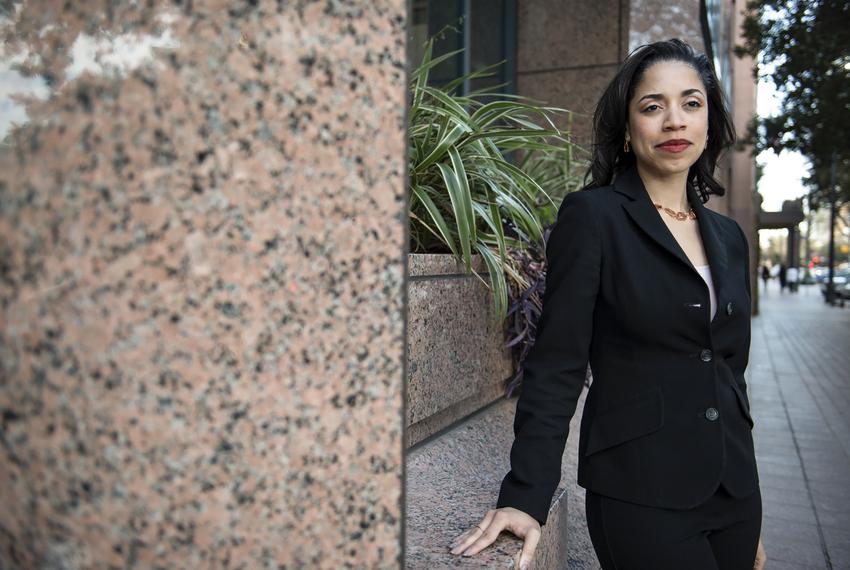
(799, 388)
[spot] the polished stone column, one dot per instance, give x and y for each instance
(202, 264)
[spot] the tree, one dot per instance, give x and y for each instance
(804, 46)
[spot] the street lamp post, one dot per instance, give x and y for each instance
(830, 285)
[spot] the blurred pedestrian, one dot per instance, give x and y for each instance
(791, 276)
(783, 277)
(765, 275)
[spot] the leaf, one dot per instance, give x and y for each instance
(461, 215)
(497, 282)
(465, 194)
(442, 147)
(444, 231)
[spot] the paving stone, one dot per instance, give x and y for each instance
(788, 547)
(777, 458)
(840, 558)
(773, 564)
(780, 481)
(837, 539)
(798, 498)
(771, 468)
(802, 555)
(789, 512)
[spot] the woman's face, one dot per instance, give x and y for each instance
(668, 118)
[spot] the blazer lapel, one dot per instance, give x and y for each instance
(715, 250)
(641, 209)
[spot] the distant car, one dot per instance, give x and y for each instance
(820, 273)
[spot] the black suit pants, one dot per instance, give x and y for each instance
(720, 534)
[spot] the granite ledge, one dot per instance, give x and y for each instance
(456, 412)
(442, 264)
(453, 480)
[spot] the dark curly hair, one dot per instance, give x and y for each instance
(612, 112)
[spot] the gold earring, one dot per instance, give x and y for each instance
(626, 146)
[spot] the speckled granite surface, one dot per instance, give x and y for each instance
(457, 362)
(202, 259)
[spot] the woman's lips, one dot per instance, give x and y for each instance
(674, 146)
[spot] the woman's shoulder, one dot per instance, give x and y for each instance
(594, 198)
(595, 205)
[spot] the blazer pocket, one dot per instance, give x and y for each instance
(626, 421)
(742, 402)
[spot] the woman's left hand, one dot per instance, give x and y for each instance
(761, 557)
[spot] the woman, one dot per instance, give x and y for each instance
(652, 289)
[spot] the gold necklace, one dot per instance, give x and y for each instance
(681, 216)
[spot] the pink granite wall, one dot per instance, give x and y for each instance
(202, 264)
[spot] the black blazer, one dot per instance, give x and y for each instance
(666, 418)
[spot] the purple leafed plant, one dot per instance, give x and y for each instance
(524, 307)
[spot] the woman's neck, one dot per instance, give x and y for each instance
(667, 190)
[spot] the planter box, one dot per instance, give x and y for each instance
(457, 362)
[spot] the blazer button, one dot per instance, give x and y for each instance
(729, 308)
(711, 414)
(705, 355)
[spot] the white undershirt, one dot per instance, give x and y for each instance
(705, 272)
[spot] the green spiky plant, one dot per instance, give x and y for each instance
(469, 193)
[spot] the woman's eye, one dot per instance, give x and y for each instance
(650, 108)
(694, 104)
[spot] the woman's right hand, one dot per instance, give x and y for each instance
(494, 522)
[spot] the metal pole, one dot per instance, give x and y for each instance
(830, 286)
(808, 254)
